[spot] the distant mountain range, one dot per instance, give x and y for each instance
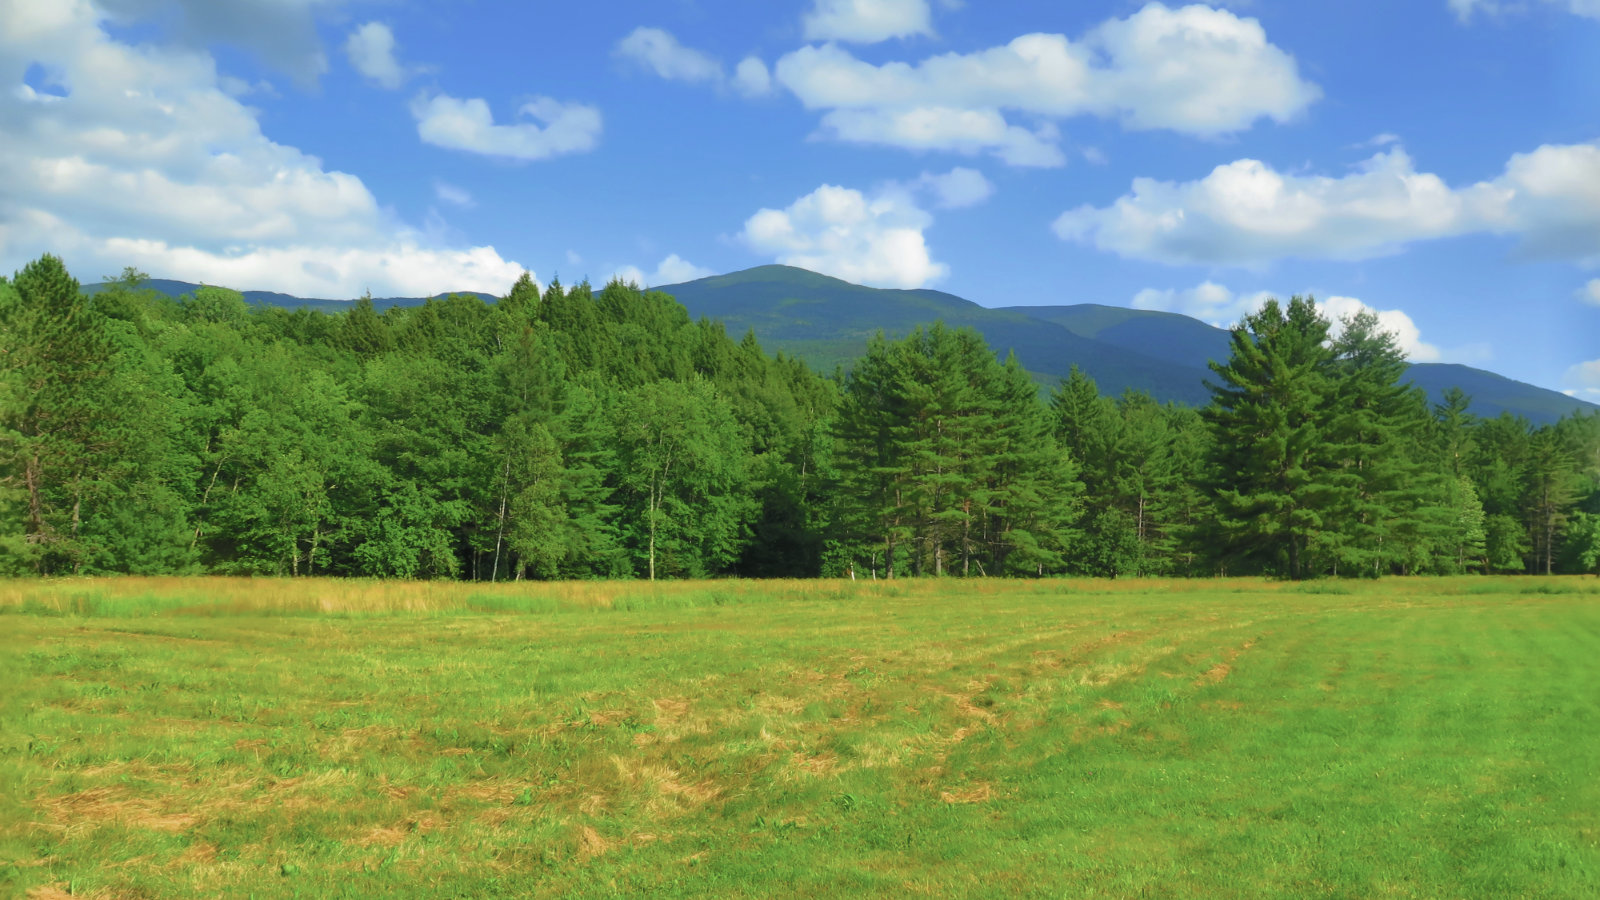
(287, 301)
(827, 322)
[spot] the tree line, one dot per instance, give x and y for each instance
(575, 433)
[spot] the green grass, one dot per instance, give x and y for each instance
(1239, 738)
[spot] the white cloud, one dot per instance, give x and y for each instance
(1209, 302)
(401, 268)
(455, 196)
(371, 51)
(1585, 380)
(751, 77)
(1246, 213)
(149, 161)
(957, 188)
(672, 270)
(1217, 305)
(557, 128)
(1407, 336)
(660, 52)
(875, 240)
(281, 33)
(967, 131)
(1464, 9)
(1193, 70)
(1590, 293)
(867, 21)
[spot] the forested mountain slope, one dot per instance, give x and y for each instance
(827, 322)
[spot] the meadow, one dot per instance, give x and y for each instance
(1073, 738)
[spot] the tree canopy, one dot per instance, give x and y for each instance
(568, 433)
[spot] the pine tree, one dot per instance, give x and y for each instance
(1389, 510)
(57, 417)
(1269, 423)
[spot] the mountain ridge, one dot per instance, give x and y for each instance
(828, 321)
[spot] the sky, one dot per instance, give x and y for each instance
(1434, 161)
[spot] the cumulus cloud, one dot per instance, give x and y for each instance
(661, 53)
(281, 33)
(751, 77)
(1464, 9)
(371, 51)
(148, 160)
(1407, 336)
(555, 128)
(1583, 380)
(1193, 70)
(1590, 293)
(957, 188)
(875, 240)
(1209, 302)
(658, 51)
(1217, 305)
(1246, 213)
(672, 270)
(867, 21)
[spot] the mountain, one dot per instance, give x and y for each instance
(1163, 335)
(286, 301)
(827, 322)
(1180, 339)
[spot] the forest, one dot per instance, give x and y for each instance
(569, 433)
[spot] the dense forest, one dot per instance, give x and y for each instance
(568, 433)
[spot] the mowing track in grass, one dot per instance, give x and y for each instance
(1405, 738)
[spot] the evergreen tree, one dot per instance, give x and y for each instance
(1389, 511)
(1269, 423)
(58, 418)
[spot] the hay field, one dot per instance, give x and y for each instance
(1232, 738)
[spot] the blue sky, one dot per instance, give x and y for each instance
(1437, 161)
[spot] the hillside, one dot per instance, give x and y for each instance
(1180, 339)
(827, 322)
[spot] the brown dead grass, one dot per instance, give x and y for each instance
(818, 765)
(1219, 672)
(978, 793)
(107, 805)
(591, 844)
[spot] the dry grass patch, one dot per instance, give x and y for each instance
(978, 793)
(591, 844)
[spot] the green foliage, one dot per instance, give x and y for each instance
(680, 463)
(1273, 456)
(947, 463)
(569, 433)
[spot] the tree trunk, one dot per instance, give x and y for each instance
(655, 500)
(499, 538)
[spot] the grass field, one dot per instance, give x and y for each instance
(1239, 738)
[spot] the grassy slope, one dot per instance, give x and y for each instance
(1151, 739)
